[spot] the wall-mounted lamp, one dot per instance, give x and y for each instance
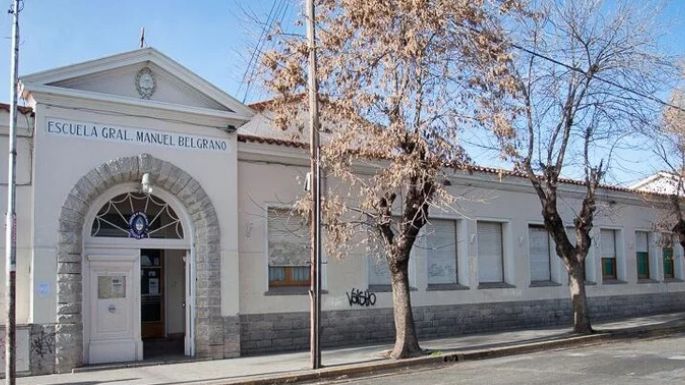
(146, 185)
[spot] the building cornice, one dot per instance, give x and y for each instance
(39, 91)
(296, 153)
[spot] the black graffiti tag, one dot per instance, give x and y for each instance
(361, 298)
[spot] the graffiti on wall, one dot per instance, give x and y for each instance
(361, 298)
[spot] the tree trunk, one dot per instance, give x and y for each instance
(581, 319)
(406, 342)
(679, 230)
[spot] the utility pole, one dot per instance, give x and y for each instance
(315, 174)
(11, 219)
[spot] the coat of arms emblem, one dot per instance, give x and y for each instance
(138, 225)
(145, 83)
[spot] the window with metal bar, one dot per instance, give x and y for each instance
(642, 254)
(539, 251)
(608, 245)
(440, 237)
(490, 252)
(288, 244)
(669, 264)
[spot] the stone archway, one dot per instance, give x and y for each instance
(209, 324)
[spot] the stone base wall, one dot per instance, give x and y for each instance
(35, 349)
(281, 332)
(231, 337)
(42, 349)
(252, 334)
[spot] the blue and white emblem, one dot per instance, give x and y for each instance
(138, 225)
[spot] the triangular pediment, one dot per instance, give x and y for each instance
(118, 77)
(122, 82)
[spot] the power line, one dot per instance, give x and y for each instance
(278, 9)
(610, 82)
(259, 42)
(579, 70)
(286, 8)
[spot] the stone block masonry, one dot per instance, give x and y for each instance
(66, 336)
(283, 332)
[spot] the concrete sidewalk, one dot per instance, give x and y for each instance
(349, 362)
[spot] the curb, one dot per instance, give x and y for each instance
(357, 370)
(370, 368)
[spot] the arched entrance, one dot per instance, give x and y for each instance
(137, 298)
(78, 221)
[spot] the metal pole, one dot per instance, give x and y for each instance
(315, 288)
(11, 219)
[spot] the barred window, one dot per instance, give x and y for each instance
(289, 248)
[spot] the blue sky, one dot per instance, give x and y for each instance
(213, 38)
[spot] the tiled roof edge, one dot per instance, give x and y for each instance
(471, 168)
(22, 109)
(275, 141)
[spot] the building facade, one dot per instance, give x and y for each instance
(154, 215)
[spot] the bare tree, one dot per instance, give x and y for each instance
(398, 79)
(670, 148)
(586, 71)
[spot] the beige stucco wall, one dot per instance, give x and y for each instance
(485, 197)
(61, 161)
(23, 208)
(270, 175)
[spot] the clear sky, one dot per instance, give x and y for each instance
(213, 38)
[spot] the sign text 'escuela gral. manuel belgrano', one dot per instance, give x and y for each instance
(134, 136)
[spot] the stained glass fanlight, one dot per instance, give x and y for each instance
(137, 215)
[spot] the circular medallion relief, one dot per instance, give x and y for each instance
(138, 225)
(145, 83)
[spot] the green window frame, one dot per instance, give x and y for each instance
(608, 260)
(669, 264)
(609, 268)
(642, 265)
(642, 254)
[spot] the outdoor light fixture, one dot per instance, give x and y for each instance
(146, 185)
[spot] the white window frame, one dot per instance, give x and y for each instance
(553, 259)
(458, 234)
(677, 258)
(619, 250)
(651, 251)
(275, 289)
(508, 268)
(382, 287)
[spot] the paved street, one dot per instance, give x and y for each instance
(493, 371)
(655, 361)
